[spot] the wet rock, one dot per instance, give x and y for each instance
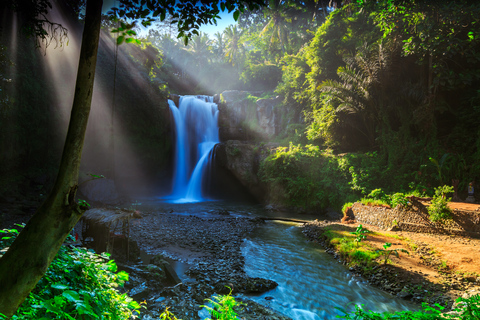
(154, 272)
(256, 285)
(140, 292)
(405, 295)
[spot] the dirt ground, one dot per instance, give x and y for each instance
(446, 264)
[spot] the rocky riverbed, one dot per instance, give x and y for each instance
(208, 248)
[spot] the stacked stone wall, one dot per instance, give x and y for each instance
(416, 219)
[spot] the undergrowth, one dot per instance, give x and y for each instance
(315, 179)
(467, 309)
(79, 284)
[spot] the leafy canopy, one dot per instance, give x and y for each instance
(187, 15)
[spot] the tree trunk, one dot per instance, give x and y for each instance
(27, 260)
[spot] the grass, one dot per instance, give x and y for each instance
(351, 251)
(374, 202)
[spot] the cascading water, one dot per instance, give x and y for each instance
(196, 127)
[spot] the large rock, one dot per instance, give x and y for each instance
(233, 107)
(100, 190)
(243, 159)
(267, 115)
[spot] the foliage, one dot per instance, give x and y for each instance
(261, 76)
(83, 203)
(167, 315)
(224, 307)
(439, 209)
(360, 233)
(387, 252)
(374, 202)
(398, 199)
(186, 15)
(306, 177)
(468, 308)
(78, 283)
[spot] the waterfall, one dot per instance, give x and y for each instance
(196, 134)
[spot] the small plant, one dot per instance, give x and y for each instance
(167, 315)
(443, 266)
(234, 152)
(387, 252)
(398, 199)
(360, 234)
(439, 209)
(83, 204)
(224, 307)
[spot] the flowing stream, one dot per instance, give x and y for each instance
(311, 284)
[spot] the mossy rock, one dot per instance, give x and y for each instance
(155, 273)
(159, 260)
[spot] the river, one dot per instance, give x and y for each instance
(311, 283)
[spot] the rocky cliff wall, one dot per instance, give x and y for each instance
(245, 116)
(243, 160)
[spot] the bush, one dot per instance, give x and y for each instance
(306, 177)
(439, 209)
(78, 284)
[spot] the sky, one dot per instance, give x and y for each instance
(225, 21)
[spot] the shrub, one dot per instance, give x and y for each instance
(78, 284)
(398, 199)
(224, 307)
(439, 209)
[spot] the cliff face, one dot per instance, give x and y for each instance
(243, 119)
(245, 116)
(243, 160)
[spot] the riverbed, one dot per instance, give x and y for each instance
(225, 242)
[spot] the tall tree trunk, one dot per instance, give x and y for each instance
(28, 258)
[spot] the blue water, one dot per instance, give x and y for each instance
(196, 134)
(311, 283)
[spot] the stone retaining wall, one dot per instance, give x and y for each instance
(416, 219)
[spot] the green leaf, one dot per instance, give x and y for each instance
(129, 40)
(71, 295)
(236, 14)
(111, 266)
(133, 305)
(122, 275)
(120, 40)
(59, 286)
